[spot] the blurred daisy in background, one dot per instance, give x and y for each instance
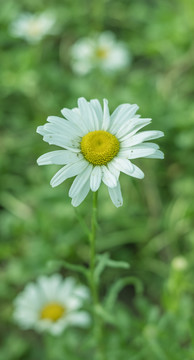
(33, 27)
(102, 51)
(179, 263)
(97, 146)
(51, 304)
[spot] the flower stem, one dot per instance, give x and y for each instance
(93, 249)
(98, 329)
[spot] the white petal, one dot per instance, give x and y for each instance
(25, 304)
(26, 319)
(75, 118)
(63, 124)
(63, 141)
(118, 111)
(56, 139)
(58, 125)
(71, 115)
(82, 292)
(95, 178)
(74, 300)
(88, 114)
(77, 200)
(66, 129)
(66, 289)
(122, 114)
(80, 318)
(156, 155)
(108, 178)
(136, 152)
(131, 127)
(117, 59)
(107, 39)
(123, 165)
(142, 136)
(125, 152)
(80, 180)
(106, 116)
(113, 169)
(68, 171)
(41, 130)
(56, 120)
(115, 195)
(96, 123)
(50, 285)
(149, 145)
(73, 303)
(57, 327)
(59, 157)
(43, 325)
(98, 110)
(84, 111)
(29, 297)
(137, 173)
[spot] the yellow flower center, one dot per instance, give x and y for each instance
(99, 147)
(34, 28)
(52, 311)
(102, 53)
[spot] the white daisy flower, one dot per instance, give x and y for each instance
(97, 146)
(51, 305)
(32, 27)
(179, 263)
(102, 51)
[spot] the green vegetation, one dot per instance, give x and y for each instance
(152, 318)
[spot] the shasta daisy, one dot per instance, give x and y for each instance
(51, 304)
(97, 147)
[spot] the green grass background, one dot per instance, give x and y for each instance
(155, 224)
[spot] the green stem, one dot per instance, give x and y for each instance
(93, 249)
(98, 329)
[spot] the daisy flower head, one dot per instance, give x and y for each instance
(101, 51)
(97, 147)
(32, 27)
(51, 304)
(179, 263)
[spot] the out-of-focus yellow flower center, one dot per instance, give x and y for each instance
(34, 28)
(52, 311)
(99, 147)
(102, 53)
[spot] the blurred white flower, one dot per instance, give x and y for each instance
(179, 263)
(32, 27)
(97, 146)
(102, 51)
(51, 305)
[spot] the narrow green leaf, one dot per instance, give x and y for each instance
(118, 286)
(73, 267)
(105, 261)
(102, 263)
(118, 264)
(104, 314)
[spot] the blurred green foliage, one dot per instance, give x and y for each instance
(155, 225)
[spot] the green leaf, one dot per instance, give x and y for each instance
(118, 264)
(118, 286)
(104, 314)
(102, 262)
(69, 266)
(105, 261)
